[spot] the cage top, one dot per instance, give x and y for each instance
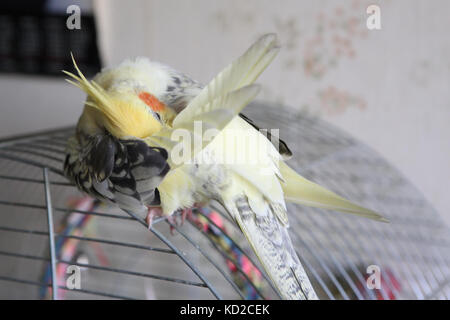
(411, 252)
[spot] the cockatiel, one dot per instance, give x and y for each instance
(126, 151)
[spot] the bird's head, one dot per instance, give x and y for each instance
(122, 114)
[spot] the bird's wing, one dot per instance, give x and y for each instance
(125, 172)
(302, 191)
(238, 74)
(254, 198)
(188, 138)
(281, 146)
(231, 90)
(183, 89)
(276, 180)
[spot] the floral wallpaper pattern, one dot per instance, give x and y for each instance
(331, 40)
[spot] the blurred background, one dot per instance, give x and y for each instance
(388, 87)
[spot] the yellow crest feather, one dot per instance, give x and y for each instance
(125, 115)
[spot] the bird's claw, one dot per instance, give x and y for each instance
(189, 215)
(173, 223)
(186, 214)
(152, 212)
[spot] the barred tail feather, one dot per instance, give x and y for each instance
(273, 247)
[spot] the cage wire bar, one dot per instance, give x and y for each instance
(120, 258)
(51, 234)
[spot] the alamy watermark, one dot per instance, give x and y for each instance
(373, 21)
(237, 146)
(74, 20)
(73, 280)
(374, 279)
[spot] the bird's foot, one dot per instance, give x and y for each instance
(173, 219)
(186, 214)
(189, 215)
(152, 212)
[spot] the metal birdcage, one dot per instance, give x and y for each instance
(46, 224)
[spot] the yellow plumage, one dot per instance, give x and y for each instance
(122, 115)
(302, 191)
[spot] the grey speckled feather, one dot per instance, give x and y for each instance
(123, 172)
(271, 242)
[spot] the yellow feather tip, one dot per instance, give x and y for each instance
(122, 115)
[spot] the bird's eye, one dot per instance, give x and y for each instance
(158, 116)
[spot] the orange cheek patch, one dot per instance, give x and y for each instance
(151, 101)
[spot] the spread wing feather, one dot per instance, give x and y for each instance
(215, 114)
(240, 73)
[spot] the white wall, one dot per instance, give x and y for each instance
(30, 104)
(389, 87)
